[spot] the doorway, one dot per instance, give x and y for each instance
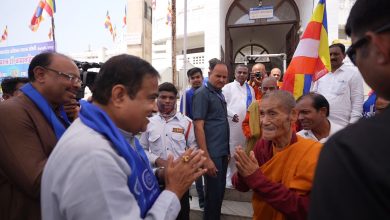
(245, 36)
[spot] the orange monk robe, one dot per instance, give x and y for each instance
(279, 84)
(257, 90)
(283, 183)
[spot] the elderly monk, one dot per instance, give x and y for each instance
(251, 123)
(280, 170)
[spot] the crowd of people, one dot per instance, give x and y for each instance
(129, 152)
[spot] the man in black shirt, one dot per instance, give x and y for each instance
(352, 180)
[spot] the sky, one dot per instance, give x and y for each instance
(79, 24)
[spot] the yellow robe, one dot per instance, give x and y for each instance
(294, 167)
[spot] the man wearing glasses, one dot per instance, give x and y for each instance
(342, 87)
(31, 124)
(352, 178)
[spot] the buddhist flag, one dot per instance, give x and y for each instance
(311, 59)
(50, 7)
(169, 13)
(108, 25)
(4, 36)
(124, 18)
(37, 16)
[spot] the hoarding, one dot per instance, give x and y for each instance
(14, 60)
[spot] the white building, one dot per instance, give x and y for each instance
(222, 29)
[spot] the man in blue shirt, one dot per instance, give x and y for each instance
(212, 135)
(195, 78)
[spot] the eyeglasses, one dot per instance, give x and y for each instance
(351, 52)
(70, 77)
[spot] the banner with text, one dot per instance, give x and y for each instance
(14, 60)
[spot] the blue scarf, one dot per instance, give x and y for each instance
(46, 110)
(248, 96)
(142, 182)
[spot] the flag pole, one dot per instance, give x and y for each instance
(183, 88)
(173, 33)
(53, 32)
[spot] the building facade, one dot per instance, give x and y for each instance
(223, 29)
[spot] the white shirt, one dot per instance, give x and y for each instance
(85, 178)
(236, 97)
(162, 138)
(308, 134)
(344, 91)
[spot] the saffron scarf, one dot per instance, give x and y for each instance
(47, 110)
(254, 126)
(142, 182)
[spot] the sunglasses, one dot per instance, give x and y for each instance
(351, 52)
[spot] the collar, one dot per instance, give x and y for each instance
(238, 83)
(340, 69)
(212, 88)
(177, 116)
(128, 136)
(293, 140)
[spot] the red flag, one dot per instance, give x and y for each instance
(50, 7)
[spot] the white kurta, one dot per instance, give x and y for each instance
(85, 178)
(345, 93)
(236, 99)
(308, 134)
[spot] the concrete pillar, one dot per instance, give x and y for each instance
(138, 35)
(212, 31)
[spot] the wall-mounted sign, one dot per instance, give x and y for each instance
(261, 12)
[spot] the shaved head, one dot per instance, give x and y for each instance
(258, 67)
(286, 99)
(269, 81)
(269, 84)
(276, 73)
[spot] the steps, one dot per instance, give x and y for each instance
(236, 205)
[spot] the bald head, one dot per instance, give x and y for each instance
(269, 84)
(276, 73)
(285, 99)
(258, 67)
